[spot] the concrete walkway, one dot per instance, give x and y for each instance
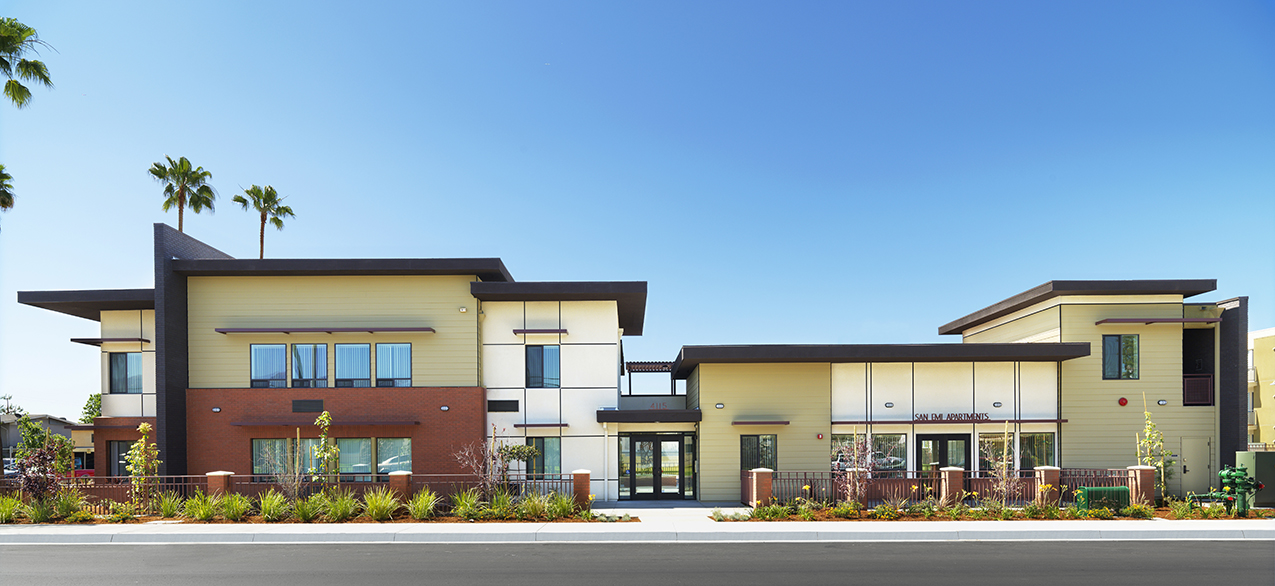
(660, 523)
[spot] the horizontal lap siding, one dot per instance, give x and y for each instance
(1040, 326)
(1100, 433)
(798, 393)
(447, 357)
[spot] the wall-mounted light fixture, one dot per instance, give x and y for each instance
(997, 404)
(443, 408)
(1161, 402)
(720, 405)
(463, 309)
(889, 405)
(216, 409)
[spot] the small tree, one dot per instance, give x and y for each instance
(92, 409)
(1152, 452)
(327, 453)
(489, 461)
(37, 472)
(143, 466)
(858, 460)
(36, 437)
(1005, 481)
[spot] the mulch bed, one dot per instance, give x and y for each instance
(823, 515)
(257, 520)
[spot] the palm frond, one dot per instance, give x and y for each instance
(17, 93)
(34, 71)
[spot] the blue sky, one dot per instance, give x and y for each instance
(837, 172)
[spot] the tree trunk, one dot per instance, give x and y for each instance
(181, 208)
(263, 237)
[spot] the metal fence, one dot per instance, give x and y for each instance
(516, 484)
(100, 491)
(916, 486)
(304, 485)
(1072, 479)
(1021, 486)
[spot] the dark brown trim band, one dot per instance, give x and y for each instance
(650, 416)
(368, 329)
(1158, 320)
(962, 422)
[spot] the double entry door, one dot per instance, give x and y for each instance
(655, 467)
(934, 451)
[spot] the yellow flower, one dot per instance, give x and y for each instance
(913, 487)
(974, 493)
(1226, 489)
(806, 487)
(591, 497)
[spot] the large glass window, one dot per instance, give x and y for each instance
(310, 366)
(992, 447)
(126, 372)
(889, 451)
(550, 459)
(1120, 356)
(271, 456)
(118, 466)
(542, 367)
(356, 455)
(1036, 449)
(269, 365)
(759, 451)
(393, 365)
(353, 365)
(393, 454)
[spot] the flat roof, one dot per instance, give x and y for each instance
(630, 296)
(89, 303)
(1183, 287)
(692, 356)
(487, 269)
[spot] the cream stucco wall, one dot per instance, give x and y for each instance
(128, 324)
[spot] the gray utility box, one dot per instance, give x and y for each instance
(1261, 465)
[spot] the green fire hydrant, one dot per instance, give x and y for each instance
(1237, 490)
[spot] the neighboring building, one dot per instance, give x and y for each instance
(11, 435)
(415, 358)
(1261, 388)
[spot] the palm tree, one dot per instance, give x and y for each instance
(268, 203)
(16, 40)
(6, 190)
(185, 185)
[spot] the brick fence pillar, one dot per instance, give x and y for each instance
(953, 485)
(580, 487)
(1049, 476)
(219, 482)
(762, 486)
(1142, 484)
(401, 483)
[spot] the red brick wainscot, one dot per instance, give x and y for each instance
(221, 423)
(115, 429)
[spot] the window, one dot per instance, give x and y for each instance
(283, 457)
(1120, 357)
(118, 466)
(1035, 449)
(889, 451)
(393, 454)
(992, 447)
(502, 406)
(393, 365)
(542, 367)
(269, 366)
(356, 455)
(126, 372)
(758, 451)
(310, 366)
(550, 459)
(353, 365)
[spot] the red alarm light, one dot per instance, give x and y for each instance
(1123, 401)
(821, 436)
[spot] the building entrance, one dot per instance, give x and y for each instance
(656, 466)
(936, 451)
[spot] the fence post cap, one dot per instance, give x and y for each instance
(761, 470)
(401, 473)
(951, 469)
(220, 473)
(1141, 467)
(1048, 468)
(581, 472)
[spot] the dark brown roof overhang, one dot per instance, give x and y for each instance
(650, 416)
(487, 269)
(692, 356)
(100, 341)
(1052, 289)
(630, 296)
(89, 304)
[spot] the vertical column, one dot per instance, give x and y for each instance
(580, 487)
(219, 482)
(762, 479)
(1048, 476)
(953, 484)
(401, 483)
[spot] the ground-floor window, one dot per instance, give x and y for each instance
(282, 456)
(759, 451)
(889, 451)
(549, 455)
(119, 457)
(1036, 449)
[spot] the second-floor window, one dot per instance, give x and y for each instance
(542, 367)
(310, 366)
(126, 372)
(393, 365)
(353, 365)
(269, 366)
(1120, 357)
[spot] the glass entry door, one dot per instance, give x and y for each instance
(942, 450)
(655, 471)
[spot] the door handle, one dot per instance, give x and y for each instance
(1185, 469)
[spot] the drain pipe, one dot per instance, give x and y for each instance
(606, 445)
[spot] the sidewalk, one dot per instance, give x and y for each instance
(660, 524)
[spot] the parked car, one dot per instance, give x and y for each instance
(10, 469)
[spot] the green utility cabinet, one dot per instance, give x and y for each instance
(1111, 497)
(1261, 466)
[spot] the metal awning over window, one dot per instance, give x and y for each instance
(328, 330)
(540, 331)
(1158, 320)
(100, 341)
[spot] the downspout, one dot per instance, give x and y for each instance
(606, 444)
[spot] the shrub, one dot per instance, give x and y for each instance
(1138, 511)
(532, 506)
(502, 506)
(770, 513)
(1180, 509)
(733, 517)
(380, 504)
(885, 512)
(67, 502)
(718, 515)
(423, 504)
(1213, 511)
(170, 504)
(9, 508)
(79, 517)
(235, 506)
(39, 510)
(309, 509)
(561, 505)
(806, 512)
(1101, 513)
(342, 506)
(201, 507)
(846, 510)
(467, 504)
(121, 512)
(273, 505)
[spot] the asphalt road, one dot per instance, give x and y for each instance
(701, 564)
